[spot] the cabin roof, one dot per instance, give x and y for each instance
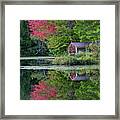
(82, 44)
(79, 44)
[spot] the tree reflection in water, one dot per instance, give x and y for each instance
(80, 84)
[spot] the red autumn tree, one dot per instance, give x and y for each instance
(41, 28)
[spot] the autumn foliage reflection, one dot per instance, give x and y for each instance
(42, 91)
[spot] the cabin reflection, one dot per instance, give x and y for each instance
(75, 76)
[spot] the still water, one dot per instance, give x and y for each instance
(60, 82)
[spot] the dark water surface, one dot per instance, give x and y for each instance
(60, 82)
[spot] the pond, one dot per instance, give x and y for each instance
(55, 82)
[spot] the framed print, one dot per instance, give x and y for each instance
(60, 59)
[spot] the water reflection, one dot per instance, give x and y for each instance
(77, 77)
(60, 84)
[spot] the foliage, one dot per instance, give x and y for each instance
(76, 60)
(28, 46)
(29, 78)
(41, 29)
(88, 90)
(68, 89)
(42, 91)
(89, 57)
(95, 50)
(81, 31)
(34, 82)
(87, 30)
(25, 84)
(58, 35)
(61, 80)
(25, 42)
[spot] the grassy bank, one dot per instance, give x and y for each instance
(83, 59)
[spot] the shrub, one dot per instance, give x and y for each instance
(75, 60)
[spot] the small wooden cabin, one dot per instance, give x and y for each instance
(77, 47)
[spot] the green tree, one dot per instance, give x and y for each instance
(30, 46)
